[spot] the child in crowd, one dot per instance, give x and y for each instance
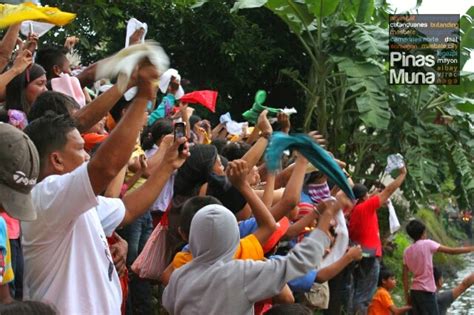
(418, 260)
(213, 237)
(382, 302)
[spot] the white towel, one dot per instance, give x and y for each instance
(392, 218)
(125, 61)
(133, 25)
(165, 80)
(39, 28)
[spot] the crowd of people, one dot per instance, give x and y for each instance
(103, 197)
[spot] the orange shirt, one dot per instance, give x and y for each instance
(381, 303)
(249, 248)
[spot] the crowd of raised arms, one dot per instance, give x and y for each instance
(116, 198)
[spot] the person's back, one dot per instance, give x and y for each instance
(418, 257)
(214, 283)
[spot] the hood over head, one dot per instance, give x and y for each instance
(214, 235)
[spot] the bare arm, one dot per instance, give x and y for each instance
(256, 151)
(329, 272)
(89, 115)
(295, 229)
(115, 186)
(465, 284)
(292, 193)
(455, 250)
(5, 297)
(267, 197)
(390, 189)
(87, 77)
(139, 201)
(7, 45)
(236, 172)
(115, 151)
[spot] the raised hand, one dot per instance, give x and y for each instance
(263, 124)
(22, 61)
(147, 78)
(237, 171)
(174, 157)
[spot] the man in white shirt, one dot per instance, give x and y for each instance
(67, 259)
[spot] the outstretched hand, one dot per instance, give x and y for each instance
(263, 124)
(22, 61)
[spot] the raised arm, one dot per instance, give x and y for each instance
(455, 250)
(22, 61)
(114, 153)
(7, 45)
(256, 151)
(292, 193)
(390, 189)
(89, 115)
(139, 201)
(236, 172)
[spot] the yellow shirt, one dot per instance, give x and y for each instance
(6, 275)
(249, 248)
(381, 303)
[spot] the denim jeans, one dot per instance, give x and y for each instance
(136, 234)
(423, 303)
(365, 276)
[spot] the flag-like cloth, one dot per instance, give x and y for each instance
(206, 98)
(12, 14)
(315, 154)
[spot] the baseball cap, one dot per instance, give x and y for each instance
(19, 170)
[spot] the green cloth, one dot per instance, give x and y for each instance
(252, 114)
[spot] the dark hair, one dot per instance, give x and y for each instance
(313, 176)
(49, 57)
(15, 93)
(437, 273)
(49, 133)
(285, 309)
(52, 101)
(385, 273)
(235, 150)
(116, 111)
(415, 229)
(359, 190)
(194, 119)
(27, 308)
(219, 144)
(191, 207)
(152, 134)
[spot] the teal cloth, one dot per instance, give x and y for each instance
(163, 110)
(316, 155)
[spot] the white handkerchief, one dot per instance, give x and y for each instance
(133, 25)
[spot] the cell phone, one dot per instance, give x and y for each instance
(179, 132)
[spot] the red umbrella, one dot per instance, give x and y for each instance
(206, 98)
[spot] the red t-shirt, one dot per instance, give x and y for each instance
(364, 225)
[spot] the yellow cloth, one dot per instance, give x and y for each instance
(7, 275)
(137, 152)
(249, 248)
(381, 303)
(12, 14)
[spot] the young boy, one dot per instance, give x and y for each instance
(382, 302)
(418, 259)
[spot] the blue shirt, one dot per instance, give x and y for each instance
(163, 110)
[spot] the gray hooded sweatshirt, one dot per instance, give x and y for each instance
(214, 283)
